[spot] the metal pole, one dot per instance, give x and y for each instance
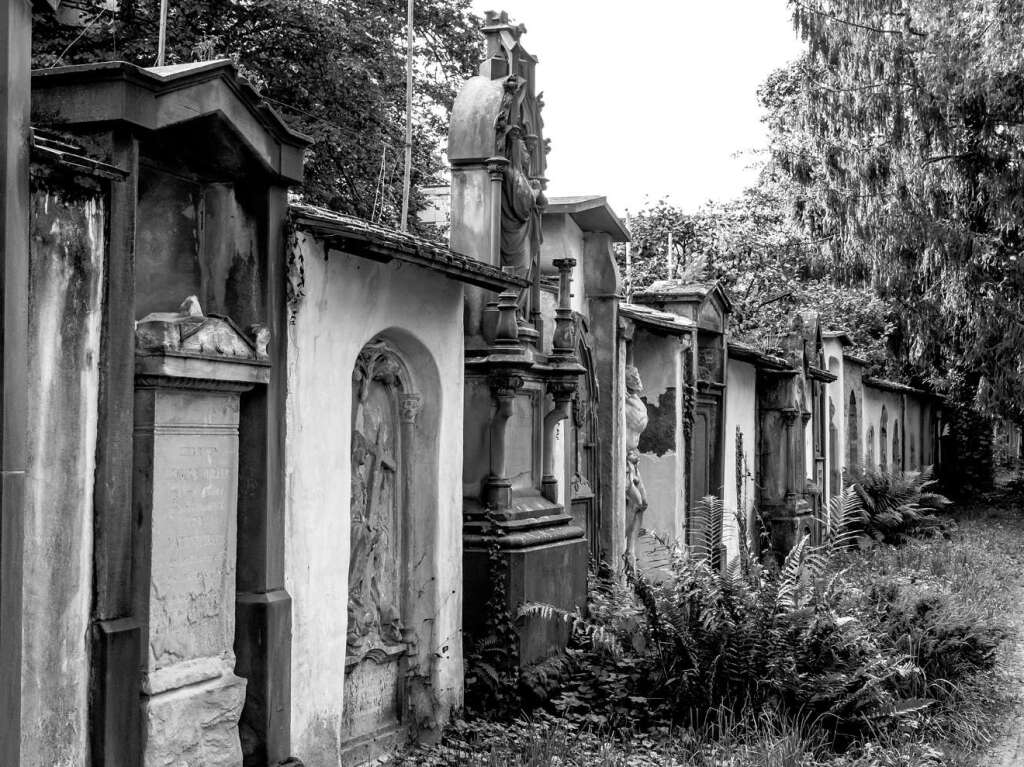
(162, 45)
(629, 263)
(407, 176)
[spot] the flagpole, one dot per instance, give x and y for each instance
(629, 263)
(407, 177)
(669, 265)
(161, 49)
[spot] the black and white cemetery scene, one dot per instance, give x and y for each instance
(395, 383)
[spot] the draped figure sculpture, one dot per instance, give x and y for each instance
(518, 140)
(636, 494)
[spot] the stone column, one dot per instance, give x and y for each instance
(15, 62)
(190, 371)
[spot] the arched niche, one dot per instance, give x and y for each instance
(897, 454)
(852, 433)
(393, 558)
(835, 469)
(870, 457)
(883, 439)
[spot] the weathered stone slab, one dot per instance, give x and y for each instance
(194, 495)
(196, 726)
(372, 699)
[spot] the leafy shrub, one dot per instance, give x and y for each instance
(668, 649)
(897, 506)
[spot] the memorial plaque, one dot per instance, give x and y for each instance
(371, 698)
(194, 494)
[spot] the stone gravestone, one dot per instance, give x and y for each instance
(189, 372)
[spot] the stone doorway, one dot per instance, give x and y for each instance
(377, 639)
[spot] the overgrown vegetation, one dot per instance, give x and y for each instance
(896, 506)
(842, 656)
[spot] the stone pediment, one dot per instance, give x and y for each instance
(189, 332)
(166, 342)
(207, 95)
(707, 304)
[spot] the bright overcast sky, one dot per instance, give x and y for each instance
(652, 98)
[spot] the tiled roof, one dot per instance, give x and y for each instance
(667, 321)
(380, 243)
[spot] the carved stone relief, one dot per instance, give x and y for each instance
(374, 598)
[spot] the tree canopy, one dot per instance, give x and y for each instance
(770, 266)
(334, 68)
(902, 132)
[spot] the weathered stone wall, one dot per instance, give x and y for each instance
(739, 492)
(67, 253)
(197, 239)
(853, 373)
(600, 285)
(874, 400)
(349, 301)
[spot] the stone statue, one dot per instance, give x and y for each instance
(517, 138)
(636, 495)
(522, 198)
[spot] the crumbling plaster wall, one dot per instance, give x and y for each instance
(658, 358)
(348, 302)
(739, 495)
(67, 255)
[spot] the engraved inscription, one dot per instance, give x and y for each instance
(193, 573)
(371, 699)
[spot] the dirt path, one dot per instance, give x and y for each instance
(1008, 750)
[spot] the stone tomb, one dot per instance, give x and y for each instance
(190, 370)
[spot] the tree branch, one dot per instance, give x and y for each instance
(847, 22)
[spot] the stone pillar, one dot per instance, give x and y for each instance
(16, 44)
(782, 493)
(189, 373)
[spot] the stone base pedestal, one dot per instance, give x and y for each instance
(787, 531)
(546, 565)
(195, 725)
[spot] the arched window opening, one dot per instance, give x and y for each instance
(852, 433)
